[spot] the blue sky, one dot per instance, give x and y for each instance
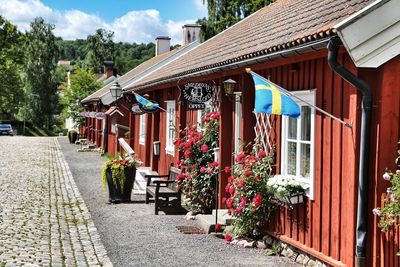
(131, 20)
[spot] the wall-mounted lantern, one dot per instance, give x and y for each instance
(116, 90)
(156, 148)
(229, 88)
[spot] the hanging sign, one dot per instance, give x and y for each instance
(197, 92)
(99, 115)
(196, 106)
(136, 109)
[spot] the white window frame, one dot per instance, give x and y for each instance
(142, 129)
(201, 113)
(170, 136)
(309, 96)
(238, 121)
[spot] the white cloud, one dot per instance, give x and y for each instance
(201, 7)
(135, 26)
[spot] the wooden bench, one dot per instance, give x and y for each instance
(164, 192)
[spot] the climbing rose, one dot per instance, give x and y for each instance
(232, 190)
(240, 157)
(227, 170)
(248, 173)
(217, 227)
(257, 200)
(204, 148)
(262, 154)
(241, 183)
(228, 238)
(202, 170)
(229, 202)
(386, 176)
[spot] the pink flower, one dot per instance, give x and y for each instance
(257, 178)
(230, 179)
(217, 227)
(227, 187)
(386, 176)
(248, 173)
(223, 201)
(240, 157)
(261, 154)
(232, 190)
(241, 183)
(187, 153)
(376, 212)
(213, 164)
(257, 200)
(227, 170)
(228, 238)
(239, 210)
(243, 202)
(229, 203)
(203, 170)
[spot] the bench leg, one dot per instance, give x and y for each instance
(155, 205)
(147, 198)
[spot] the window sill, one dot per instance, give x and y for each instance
(170, 151)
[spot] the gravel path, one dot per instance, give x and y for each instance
(134, 236)
(43, 220)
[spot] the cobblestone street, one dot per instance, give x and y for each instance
(43, 219)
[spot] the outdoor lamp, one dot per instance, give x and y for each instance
(229, 87)
(116, 90)
(216, 154)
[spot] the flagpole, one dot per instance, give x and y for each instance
(248, 70)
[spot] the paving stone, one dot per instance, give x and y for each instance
(41, 210)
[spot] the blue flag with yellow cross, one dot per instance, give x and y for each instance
(272, 100)
(146, 103)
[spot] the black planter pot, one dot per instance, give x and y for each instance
(115, 192)
(72, 136)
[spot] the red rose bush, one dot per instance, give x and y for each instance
(199, 171)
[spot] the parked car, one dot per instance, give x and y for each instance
(6, 129)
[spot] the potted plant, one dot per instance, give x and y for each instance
(288, 190)
(118, 176)
(72, 136)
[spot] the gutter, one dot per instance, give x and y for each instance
(298, 50)
(363, 175)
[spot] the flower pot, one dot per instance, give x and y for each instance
(118, 194)
(72, 136)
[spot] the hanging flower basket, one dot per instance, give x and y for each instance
(288, 190)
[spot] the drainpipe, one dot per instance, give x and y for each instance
(363, 177)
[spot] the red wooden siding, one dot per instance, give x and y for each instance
(385, 84)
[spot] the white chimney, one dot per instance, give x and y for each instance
(191, 33)
(162, 45)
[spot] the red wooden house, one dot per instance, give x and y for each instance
(287, 43)
(115, 113)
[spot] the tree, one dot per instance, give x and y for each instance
(83, 83)
(224, 13)
(99, 47)
(11, 62)
(42, 52)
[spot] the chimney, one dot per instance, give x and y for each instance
(108, 68)
(162, 45)
(191, 33)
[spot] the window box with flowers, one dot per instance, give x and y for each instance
(288, 190)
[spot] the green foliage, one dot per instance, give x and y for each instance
(83, 83)
(199, 171)
(11, 70)
(273, 251)
(99, 48)
(118, 168)
(224, 13)
(127, 56)
(42, 52)
(390, 212)
(250, 197)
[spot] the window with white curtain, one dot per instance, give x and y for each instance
(170, 127)
(298, 135)
(142, 129)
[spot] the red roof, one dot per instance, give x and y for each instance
(281, 25)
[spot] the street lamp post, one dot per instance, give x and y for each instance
(116, 90)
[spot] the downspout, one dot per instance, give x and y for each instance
(363, 177)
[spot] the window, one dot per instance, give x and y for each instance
(202, 112)
(170, 125)
(297, 155)
(142, 129)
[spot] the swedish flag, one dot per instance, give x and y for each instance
(146, 103)
(271, 99)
